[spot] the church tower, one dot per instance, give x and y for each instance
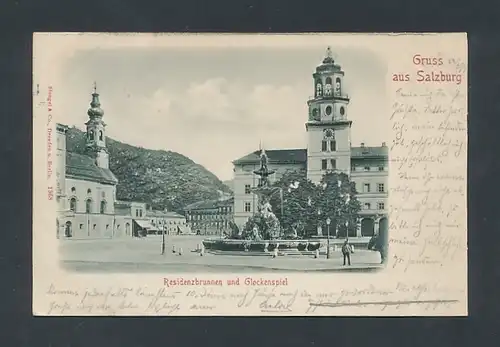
(96, 133)
(328, 127)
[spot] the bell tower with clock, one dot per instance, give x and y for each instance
(328, 127)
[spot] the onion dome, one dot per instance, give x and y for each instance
(95, 109)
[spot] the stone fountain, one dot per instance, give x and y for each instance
(262, 232)
(263, 225)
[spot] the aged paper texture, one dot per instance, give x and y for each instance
(250, 175)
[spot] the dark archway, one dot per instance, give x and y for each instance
(367, 227)
(68, 230)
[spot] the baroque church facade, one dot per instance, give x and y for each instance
(86, 191)
(328, 148)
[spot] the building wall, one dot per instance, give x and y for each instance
(79, 189)
(315, 154)
(61, 168)
(86, 225)
(243, 176)
(378, 174)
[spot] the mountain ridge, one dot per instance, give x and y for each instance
(161, 178)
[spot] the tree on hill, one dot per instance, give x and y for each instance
(162, 179)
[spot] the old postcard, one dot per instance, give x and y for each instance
(250, 175)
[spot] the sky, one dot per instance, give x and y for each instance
(214, 105)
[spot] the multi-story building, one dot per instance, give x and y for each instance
(86, 191)
(328, 148)
(210, 217)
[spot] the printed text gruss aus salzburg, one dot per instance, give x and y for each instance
(423, 75)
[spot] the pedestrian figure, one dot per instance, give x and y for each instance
(346, 251)
(180, 251)
(173, 248)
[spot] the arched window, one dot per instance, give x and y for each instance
(73, 189)
(328, 86)
(72, 204)
(68, 231)
(88, 206)
(319, 88)
(337, 85)
(91, 135)
(89, 191)
(100, 135)
(103, 206)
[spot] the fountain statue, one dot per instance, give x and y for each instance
(263, 224)
(262, 233)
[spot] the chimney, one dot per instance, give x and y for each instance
(362, 145)
(383, 144)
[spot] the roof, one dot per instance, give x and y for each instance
(287, 156)
(83, 167)
(226, 202)
(369, 152)
(279, 156)
(145, 224)
(205, 204)
(209, 204)
(164, 214)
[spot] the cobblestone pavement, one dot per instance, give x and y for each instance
(144, 255)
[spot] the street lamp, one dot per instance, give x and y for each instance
(163, 238)
(328, 221)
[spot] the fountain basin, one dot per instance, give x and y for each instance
(262, 246)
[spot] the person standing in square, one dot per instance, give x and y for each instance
(346, 251)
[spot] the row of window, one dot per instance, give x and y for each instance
(160, 222)
(328, 146)
(221, 210)
(324, 164)
(328, 86)
(204, 216)
(138, 212)
(367, 188)
(368, 206)
(89, 191)
(333, 166)
(224, 224)
(92, 136)
(88, 205)
(366, 168)
(107, 226)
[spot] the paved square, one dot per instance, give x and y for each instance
(144, 255)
